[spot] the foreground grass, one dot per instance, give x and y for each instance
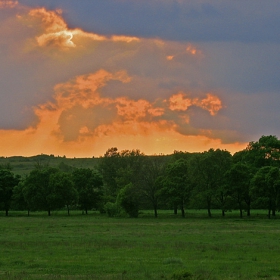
(97, 247)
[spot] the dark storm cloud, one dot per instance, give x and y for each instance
(216, 20)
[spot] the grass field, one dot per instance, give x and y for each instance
(97, 247)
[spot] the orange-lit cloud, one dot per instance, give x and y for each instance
(182, 101)
(83, 110)
(55, 30)
(191, 49)
(81, 114)
(211, 103)
(81, 122)
(106, 91)
(56, 33)
(135, 110)
(8, 4)
(126, 39)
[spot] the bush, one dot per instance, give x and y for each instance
(112, 209)
(128, 199)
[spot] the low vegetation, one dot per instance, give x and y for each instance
(94, 246)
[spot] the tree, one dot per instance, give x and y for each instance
(128, 199)
(208, 176)
(238, 185)
(109, 164)
(38, 192)
(18, 201)
(63, 189)
(150, 183)
(264, 152)
(266, 187)
(7, 182)
(128, 180)
(177, 185)
(89, 184)
(129, 170)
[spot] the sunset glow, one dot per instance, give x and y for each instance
(76, 89)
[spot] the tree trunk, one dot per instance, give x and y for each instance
(175, 209)
(222, 200)
(209, 212)
(240, 210)
(209, 208)
(155, 210)
(269, 209)
(28, 212)
(49, 212)
(7, 212)
(183, 211)
(68, 210)
(248, 209)
(86, 211)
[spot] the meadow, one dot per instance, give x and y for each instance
(97, 247)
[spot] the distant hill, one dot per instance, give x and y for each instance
(23, 165)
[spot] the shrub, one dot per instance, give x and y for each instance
(128, 199)
(112, 209)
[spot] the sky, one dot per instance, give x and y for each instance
(80, 77)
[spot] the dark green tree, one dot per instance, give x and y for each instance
(89, 184)
(18, 201)
(238, 185)
(177, 185)
(62, 187)
(208, 177)
(128, 199)
(38, 192)
(129, 170)
(7, 183)
(264, 152)
(266, 188)
(150, 181)
(129, 180)
(108, 167)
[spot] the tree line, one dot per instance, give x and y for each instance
(128, 181)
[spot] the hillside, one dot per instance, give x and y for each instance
(23, 165)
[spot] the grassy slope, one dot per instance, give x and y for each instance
(97, 247)
(23, 165)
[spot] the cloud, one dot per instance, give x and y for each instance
(194, 21)
(80, 116)
(181, 102)
(80, 107)
(8, 4)
(57, 34)
(70, 91)
(55, 30)
(81, 111)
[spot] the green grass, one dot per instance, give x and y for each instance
(97, 247)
